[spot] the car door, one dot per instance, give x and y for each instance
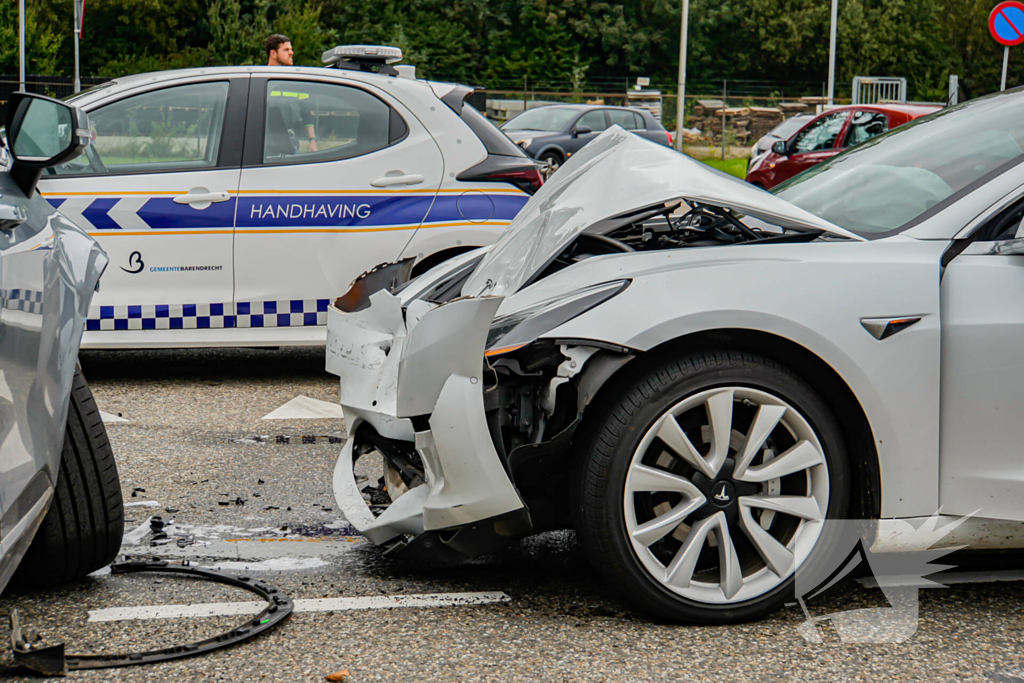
(812, 145)
(315, 214)
(982, 382)
(864, 125)
(157, 190)
(30, 302)
(595, 120)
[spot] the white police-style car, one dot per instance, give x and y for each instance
(234, 202)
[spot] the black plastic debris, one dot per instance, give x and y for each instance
(260, 481)
(255, 494)
(51, 660)
(283, 439)
(156, 523)
(170, 511)
(271, 507)
(184, 541)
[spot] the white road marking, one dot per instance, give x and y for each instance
(278, 564)
(229, 609)
(306, 408)
(108, 418)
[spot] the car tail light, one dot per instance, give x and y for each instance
(527, 179)
(502, 169)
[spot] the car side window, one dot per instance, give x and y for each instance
(307, 121)
(173, 129)
(626, 119)
(594, 120)
(821, 134)
(864, 126)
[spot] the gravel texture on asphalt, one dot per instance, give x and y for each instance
(196, 445)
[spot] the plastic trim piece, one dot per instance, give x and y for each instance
(52, 661)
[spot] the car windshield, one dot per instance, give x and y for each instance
(549, 119)
(785, 130)
(883, 185)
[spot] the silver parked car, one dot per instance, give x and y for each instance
(700, 376)
(61, 513)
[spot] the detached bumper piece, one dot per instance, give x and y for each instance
(52, 661)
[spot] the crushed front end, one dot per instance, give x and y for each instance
(458, 422)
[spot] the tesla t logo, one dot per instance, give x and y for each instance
(135, 264)
(723, 492)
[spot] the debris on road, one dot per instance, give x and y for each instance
(337, 675)
(52, 661)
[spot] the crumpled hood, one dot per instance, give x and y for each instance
(618, 173)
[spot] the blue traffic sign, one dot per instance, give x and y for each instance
(1006, 23)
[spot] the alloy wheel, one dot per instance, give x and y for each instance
(726, 494)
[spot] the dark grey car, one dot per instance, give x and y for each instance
(554, 133)
(61, 513)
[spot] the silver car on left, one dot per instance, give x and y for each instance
(61, 513)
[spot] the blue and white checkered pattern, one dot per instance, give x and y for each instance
(27, 300)
(293, 313)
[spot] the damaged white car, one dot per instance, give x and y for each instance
(697, 375)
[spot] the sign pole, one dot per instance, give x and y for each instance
(684, 30)
(1006, 62)
(21, 45)
(832, 51)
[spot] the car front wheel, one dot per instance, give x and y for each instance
(82, 530)
(706, 484)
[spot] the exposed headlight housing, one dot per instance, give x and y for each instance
(516, 330)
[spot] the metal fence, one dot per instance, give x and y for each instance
(52, 86)
(874, 90)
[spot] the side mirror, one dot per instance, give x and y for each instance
(581, 130)
(42, 132)
(780, 148)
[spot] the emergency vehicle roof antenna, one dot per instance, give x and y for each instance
(372, 58)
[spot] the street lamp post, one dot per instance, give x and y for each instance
(832, 51)
(79, 17)
(681, 93)
(21, 45)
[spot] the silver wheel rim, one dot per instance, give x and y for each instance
(725, 496)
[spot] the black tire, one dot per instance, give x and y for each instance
(613, 434)
(554, 158)
(83, 528)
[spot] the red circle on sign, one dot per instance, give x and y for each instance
(1013, 26)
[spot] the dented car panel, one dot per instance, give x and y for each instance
(623, 173)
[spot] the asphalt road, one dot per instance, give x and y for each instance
(254, 496)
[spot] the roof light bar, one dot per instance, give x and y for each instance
(373, 54)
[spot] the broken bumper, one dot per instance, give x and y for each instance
(415, 376)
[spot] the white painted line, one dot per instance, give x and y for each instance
(230, 609)
(306, 408)
(108, 418)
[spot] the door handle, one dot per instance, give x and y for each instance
(200, 198)
(388, 181)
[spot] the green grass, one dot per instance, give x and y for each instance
(736, 167)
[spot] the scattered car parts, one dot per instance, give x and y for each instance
(51, 660)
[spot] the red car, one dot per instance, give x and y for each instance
(827, 135)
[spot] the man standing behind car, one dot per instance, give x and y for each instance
(296, 116)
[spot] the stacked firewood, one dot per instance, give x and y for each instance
(744, 124)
